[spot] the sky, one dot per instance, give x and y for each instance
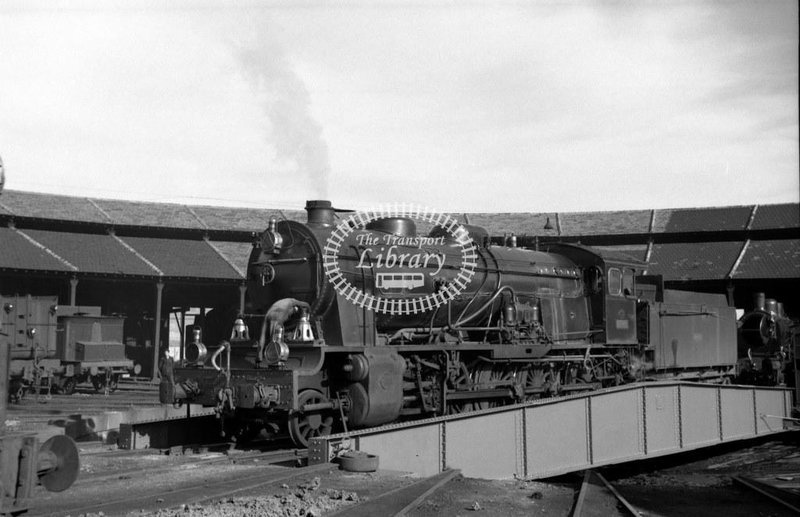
(503, 106)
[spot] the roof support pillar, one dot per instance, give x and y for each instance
(242, 292)
(183, 333)
(157, 338)
(73, 289)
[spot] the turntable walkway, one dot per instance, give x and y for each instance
(551, 437)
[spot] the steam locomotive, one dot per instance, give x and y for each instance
(363, 321)
(55, 347)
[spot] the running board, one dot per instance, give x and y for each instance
(555, 436)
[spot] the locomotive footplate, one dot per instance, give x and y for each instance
(246, 389)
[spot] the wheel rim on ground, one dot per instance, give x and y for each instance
(16, 392)
(99, 382)
(114, 384)
(305, 426)
(68, 388)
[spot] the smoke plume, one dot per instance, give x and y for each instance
(294, 134)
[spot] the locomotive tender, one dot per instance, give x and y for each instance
(397, 326)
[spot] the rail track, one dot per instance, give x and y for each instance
(597, 497)
(150, 487)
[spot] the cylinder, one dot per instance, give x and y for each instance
(510, 314)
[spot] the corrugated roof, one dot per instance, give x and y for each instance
(93, 253)
(50, 206)
(247, 219)
(139, 213)
(694, 261)
(519, 223)
(605, 223)
(776, 216)
(164, 215)
(183, 258)
(770, 259)
(236, 253)
(17, 252)
(637, 251)
(171, 215)
(702, 219)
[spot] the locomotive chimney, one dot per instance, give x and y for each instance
(320, 212)
(760, 301)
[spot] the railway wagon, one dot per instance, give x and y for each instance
(56, 347)
(362, 321)
(24, 462)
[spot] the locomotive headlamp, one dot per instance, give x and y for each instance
(276, 352)
(196, 351)
(8, 308)
(31, 332)
(53, 309)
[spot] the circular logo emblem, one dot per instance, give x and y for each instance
(409, 257)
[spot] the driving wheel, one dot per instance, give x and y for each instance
(305, 425)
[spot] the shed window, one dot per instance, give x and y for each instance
(614, 281)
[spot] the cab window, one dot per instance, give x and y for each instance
(627, 282)
(614, 281)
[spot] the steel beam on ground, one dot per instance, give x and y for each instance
(550, 437)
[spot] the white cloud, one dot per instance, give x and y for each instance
(487, 107)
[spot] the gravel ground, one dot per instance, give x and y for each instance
(698, 483)
(306, 499)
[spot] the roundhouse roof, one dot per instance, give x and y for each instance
(80, 235)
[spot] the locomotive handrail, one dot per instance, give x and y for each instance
(482, 308)
(686, 313)
(498, 283)
(298, 260)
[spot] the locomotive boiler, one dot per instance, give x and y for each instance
(369, 320)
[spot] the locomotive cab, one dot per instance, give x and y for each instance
(610, 280)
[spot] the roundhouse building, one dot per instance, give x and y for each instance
(155, 261)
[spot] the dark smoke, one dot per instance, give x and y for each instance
(294, 134)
